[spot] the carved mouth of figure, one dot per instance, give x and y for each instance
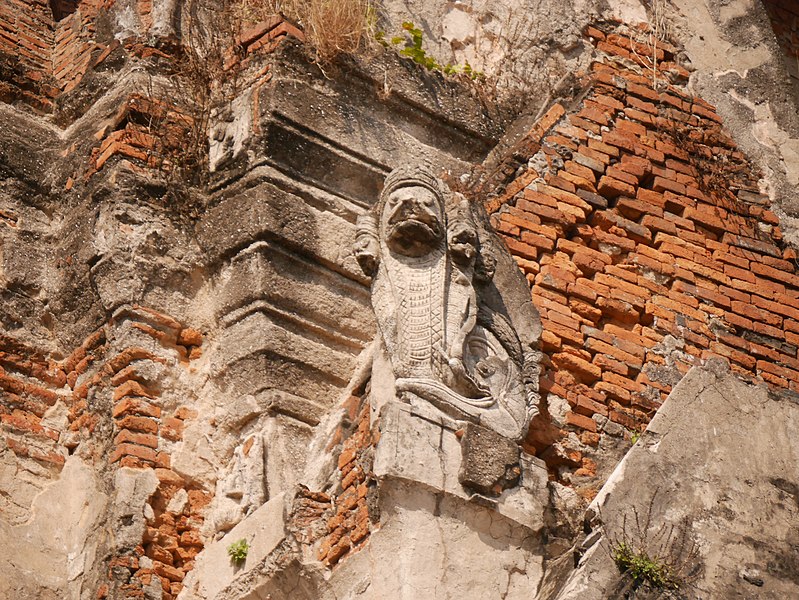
(413, 225)
(406, 214)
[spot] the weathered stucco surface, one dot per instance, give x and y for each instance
(187, 357)
(718, 464)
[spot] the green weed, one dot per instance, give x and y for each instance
(237, 551)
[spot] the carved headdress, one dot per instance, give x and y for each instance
(417, 175)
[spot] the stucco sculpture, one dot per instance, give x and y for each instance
(442, 322)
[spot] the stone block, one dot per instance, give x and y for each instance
(490, 462)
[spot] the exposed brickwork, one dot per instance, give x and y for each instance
(145, 130)
(784, 15)
(26, 43)
(152, 132)
(144, 432)
(31, 385)
(261, 38)
(349, 523)
(46, 49)
(309, 514)
(643, 223)
(171, 539)
(74, 47)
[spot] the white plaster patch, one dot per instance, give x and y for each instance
(628, 11)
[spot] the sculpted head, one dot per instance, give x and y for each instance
(412, 212)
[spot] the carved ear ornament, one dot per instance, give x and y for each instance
(366, 224)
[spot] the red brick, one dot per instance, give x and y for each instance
(547, 213)
(172, 429)
(661, 184)
(580, 171)
(518, 218)
(540, 242)
(778, 370)
(564, 320)
(611, 188)
(632, 361)
(775, 274)
(738, 321)
(756, 314)
(621, 140)
(617, 284)
(184, 413)
(777, 263)
(745, 360)
(23, 422)
(601, 152)
(142, 439)
(135, 406)
(539, 198)
(521, 249)
(629, 173)
(168, 571)
(132, 388)
(564, 333)
(127, 356)
(606, 219)
(141, 452)
(768, 330)
(605, 362)
(624, 244)
(580, 421)
(785, 307)
(588, 406)
(614, 391)
(579, 367)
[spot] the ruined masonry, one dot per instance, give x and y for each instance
(346, 318)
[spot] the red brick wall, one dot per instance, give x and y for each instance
(143, 432)
(641, 220)
(348, 525)
(45, 48)
(26, 41)
(784, 15)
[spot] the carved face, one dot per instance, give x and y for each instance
(366, 250)
(462, 242)
(412, 220)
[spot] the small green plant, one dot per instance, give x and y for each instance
(642, 568)
(662, 559)
(413, 50)
(238, 550)
(634, 437)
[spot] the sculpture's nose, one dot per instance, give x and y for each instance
(410, 203)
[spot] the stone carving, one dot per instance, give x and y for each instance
(443, 323)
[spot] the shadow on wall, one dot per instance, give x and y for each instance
(63, 8)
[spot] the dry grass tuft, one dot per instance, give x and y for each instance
(338, 26)
(333, 27)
